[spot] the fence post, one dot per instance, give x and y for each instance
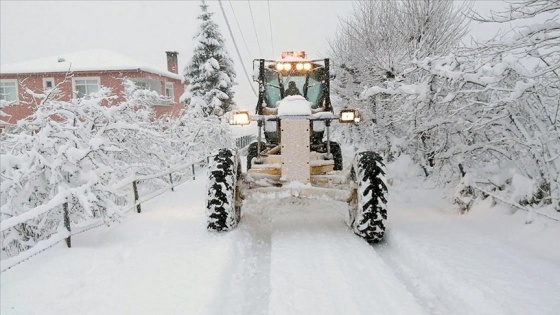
(136, 197)
(171, 181)
(67, 223)
(193, 176)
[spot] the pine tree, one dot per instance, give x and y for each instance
(210, 74)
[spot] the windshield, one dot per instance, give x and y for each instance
(308, 85)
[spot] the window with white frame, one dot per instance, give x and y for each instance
(8, 90)
(147, 84)
(48, 84)
(85, 86)
(169, 90)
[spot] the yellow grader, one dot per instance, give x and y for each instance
(294, 155)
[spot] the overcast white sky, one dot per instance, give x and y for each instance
(144, 30)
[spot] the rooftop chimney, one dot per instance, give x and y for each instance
(172, 63)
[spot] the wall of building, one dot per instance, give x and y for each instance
(113, 79)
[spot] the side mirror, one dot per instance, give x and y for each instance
(240, 118)
(349, 116)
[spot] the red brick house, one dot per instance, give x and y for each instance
(89, 71)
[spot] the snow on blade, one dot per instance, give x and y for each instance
(294, 105)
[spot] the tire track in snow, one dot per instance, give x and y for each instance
(454, 267)
(437, 287)
(316, 265)
(249, 283)
(434, 285)
(253, 246)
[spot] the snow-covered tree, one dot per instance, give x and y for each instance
(58, 153)
(522, 97)
(195, 135)
(489, 112)
(145, 150)
(73, 152)
(210, 74)
(376, 45)
(382, 37)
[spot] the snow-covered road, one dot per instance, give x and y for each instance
(296, 257)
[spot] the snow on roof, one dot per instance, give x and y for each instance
(87, 60)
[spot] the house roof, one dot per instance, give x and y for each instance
(87, 60)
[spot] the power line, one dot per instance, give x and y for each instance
(239, 28)
(237, 49)
(270, 24)
(255, 28)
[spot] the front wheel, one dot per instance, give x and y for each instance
(222, 212)
(368, 211)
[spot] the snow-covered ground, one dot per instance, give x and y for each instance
(298, 257)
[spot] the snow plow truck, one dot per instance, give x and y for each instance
(293, 155)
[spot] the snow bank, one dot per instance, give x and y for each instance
(402, 169)
(523, 188)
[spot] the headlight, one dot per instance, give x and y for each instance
(279, 66)
(287, 66)
(240, 118)
(349, 116)
(299, 66)
(307, 66)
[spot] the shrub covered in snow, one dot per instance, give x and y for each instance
(493, 106)
(61, 152)
(75, 151)
(195, 134)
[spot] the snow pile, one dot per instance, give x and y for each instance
(294, 105)
(523, 188)
(402, 170)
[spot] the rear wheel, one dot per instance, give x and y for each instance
(222, 213)
(368, 211)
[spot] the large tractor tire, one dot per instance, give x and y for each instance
(337, 155)
(222, 212)
(252, 152)
(368, 211)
